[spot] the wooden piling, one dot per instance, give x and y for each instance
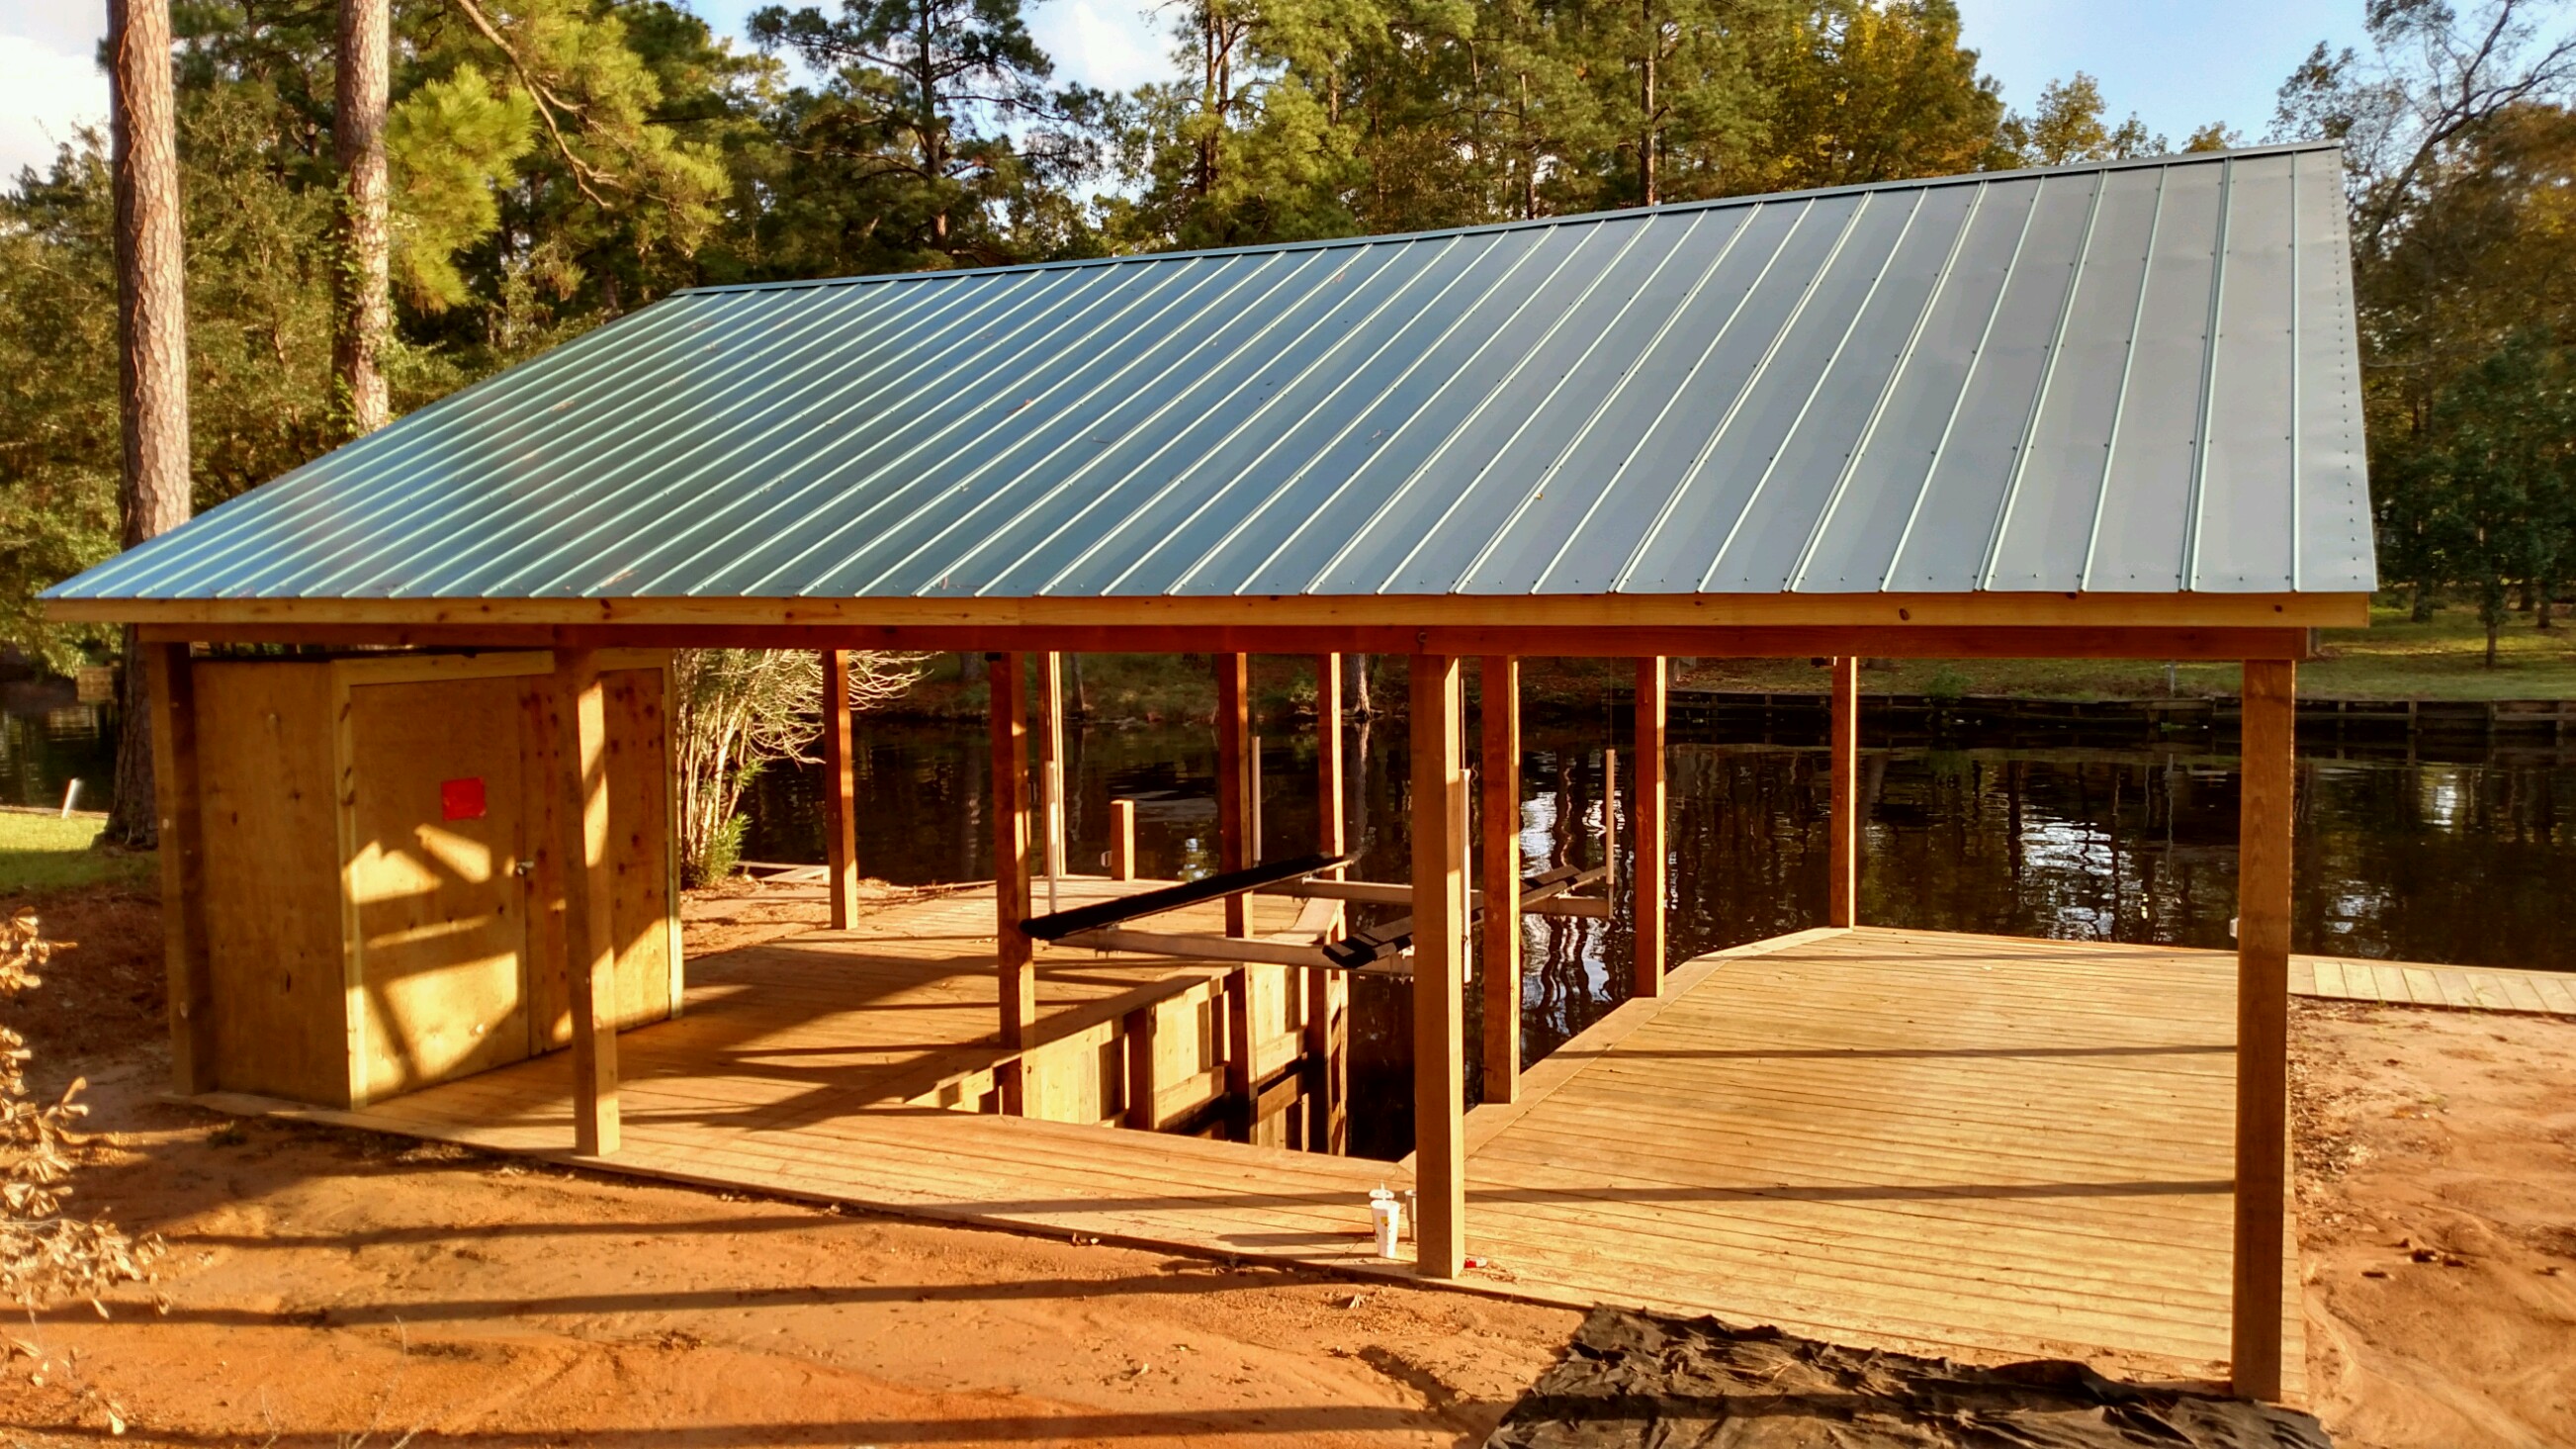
(1439, 971)
(1842, 827)
(170, 683)
(840, 813)
(1233, 834)
(2269, 776)
(1328, 993)
(1499, 678)
(590, 895)
(1122, 840)
(1014, 954)
(1647, 884)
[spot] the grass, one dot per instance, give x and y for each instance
(2392, 659)
(40, 852)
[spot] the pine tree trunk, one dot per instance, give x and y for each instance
(364, 310)
(1646, 110)
(152, 348)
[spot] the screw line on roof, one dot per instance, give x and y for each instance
(1753, 378)
(1141, 515)
(1186, 307)
(1896, 376)
(1992, 556)
(588, 511)
(1610, 397)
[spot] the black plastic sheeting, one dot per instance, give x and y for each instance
(1630, 1381)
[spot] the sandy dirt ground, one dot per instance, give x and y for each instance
(2437, 1198)
(334, 1288)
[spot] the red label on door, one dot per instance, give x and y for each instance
(461, 799)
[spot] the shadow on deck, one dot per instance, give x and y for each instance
(1968, 1145)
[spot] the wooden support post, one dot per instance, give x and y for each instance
(1842, 828)
(590, 895)
(1439, 972)
(1500, 676)
(840, 786)
(1647, 884)
(170, 683)
(1142, 1111)
(1233, 852)
(1122, 840)
(1233, 797)
(1328, 993)
(1610, 821)
(1014, 955)
(1051, 768)
(2262, 1020)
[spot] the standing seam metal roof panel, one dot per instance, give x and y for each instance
(2127, 377)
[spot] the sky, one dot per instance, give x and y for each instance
(2178, 64)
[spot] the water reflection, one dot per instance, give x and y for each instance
(2396, 859)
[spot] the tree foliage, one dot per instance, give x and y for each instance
(2460, 158)
(555, 163)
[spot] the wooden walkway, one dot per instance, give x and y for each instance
(2409, 983)
(1962, 1144)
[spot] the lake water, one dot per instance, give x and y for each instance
(2057, 833)
(2466, 861)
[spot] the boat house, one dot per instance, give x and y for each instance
(417, 872)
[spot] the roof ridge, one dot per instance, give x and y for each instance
(1586, 218)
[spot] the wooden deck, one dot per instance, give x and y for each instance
(1963, 1144)
(2456, 988)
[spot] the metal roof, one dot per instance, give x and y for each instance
(2119, 378)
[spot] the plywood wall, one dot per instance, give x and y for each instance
(368, 933)
(274, 938)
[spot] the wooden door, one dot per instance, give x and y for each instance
(438, 834)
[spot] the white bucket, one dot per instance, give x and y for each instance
(1386, 1216)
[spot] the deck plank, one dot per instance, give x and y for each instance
(1962, 1144)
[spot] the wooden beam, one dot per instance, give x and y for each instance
(1647, 886)
(590, 898)
(1122, 840)
(1014, 955)
(1842, 827)
(1051, 767)
(178, 793)
(840, 811)
(2205, 643)
(1234, 852)
(1776, 609)
(1326, 1012)
(1190, 946)
(2269, 775)
(1500, 759)
(1439, 972)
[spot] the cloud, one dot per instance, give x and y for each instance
(1111, 44)
(45, 93)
